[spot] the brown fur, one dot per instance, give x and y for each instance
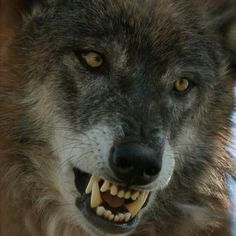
(26, 204)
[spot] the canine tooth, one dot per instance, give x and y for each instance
(136, 206)
(96, 198)
(121, 194)
(114, 190)
(116, 219)
(127, 195)
(135, 195)
(107, 214)
(90, 184)
(127, 217)
(121, 217)
(100, 211)
(111, 217)
(105, 186)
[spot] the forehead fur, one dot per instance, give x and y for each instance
(151, 26)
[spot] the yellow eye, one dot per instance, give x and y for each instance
(182, 85)
(92, 59)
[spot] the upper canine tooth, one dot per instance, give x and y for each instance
(105, 186)
(96, 198)
(135, 196)
(127, 195)
(136, 206)
(93, 178)
(114, 190)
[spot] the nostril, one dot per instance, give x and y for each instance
(124, 163)
(151, 172)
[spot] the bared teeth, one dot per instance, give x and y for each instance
(96, 198)
(111, 217)
(90, 184)
(127, 217)
(107, 214)
(127, 195)
(121, 194)
(114, 190)
(100, 211)
(105, 186)
(135, 196)
(121, 217)
(136, 206)
(138, 198)
(116, 219)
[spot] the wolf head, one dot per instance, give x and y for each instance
(124, 112)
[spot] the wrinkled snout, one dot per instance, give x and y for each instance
(135, 164)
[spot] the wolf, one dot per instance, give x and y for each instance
(115, 119)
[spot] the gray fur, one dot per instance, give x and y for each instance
(63, 109)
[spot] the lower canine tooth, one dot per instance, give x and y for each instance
(136, 206)
(116, 219)
(100, 211)
(96, 198)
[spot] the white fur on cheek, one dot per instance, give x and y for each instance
(88, 151)
(168, 165)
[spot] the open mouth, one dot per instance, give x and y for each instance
(109, 206)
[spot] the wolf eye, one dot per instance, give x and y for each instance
(91, 59)
(182, 85)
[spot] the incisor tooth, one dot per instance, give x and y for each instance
(96, 198)
(105, 186)
(127, 217)
(114, 190)
(111, 217)
(116, 219)
(121, 193)
(136, 206)
(135, 196)
(90, 184)
(127, 195)
(100, 211)
(107, 214)
(121, 216)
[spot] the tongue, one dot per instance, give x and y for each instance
(112, 201)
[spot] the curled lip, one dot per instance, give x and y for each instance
(83, 203)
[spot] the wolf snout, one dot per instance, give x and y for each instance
(135, 164)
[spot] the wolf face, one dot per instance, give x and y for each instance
(124, 115)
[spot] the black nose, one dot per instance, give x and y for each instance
(135, 164)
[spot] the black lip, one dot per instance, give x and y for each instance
(103, 224)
